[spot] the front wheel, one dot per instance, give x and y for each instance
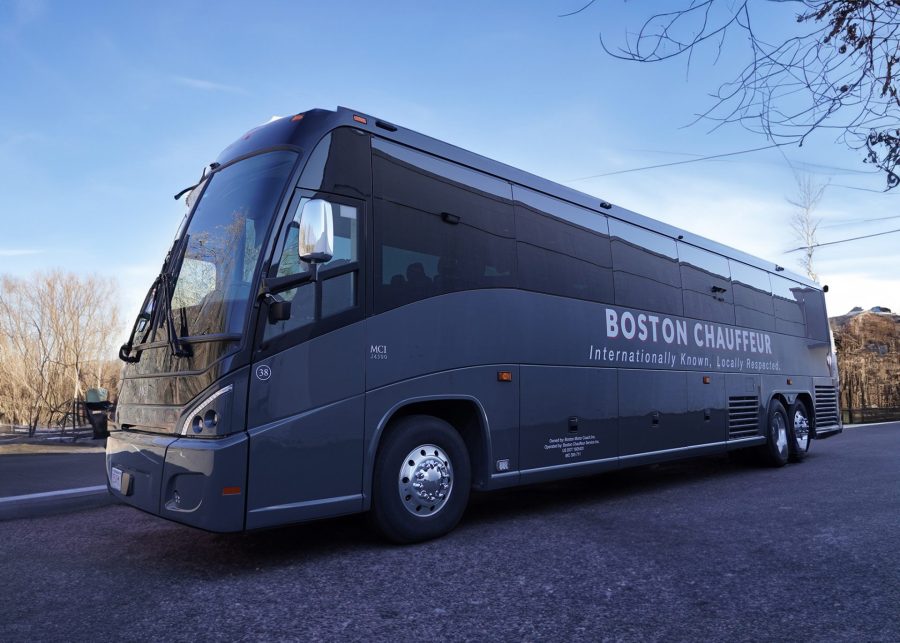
(775, 451)
(799, 435)
(422, 477)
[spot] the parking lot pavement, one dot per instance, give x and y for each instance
(704, 549)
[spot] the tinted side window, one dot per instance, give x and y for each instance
(752, 296)
(645, 266)
(788, 304)
(439, 227)
(707, 284)
(562, 249)
(340, 164)
(814, 311)
(337, 289)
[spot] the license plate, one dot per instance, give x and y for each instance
(115, 479)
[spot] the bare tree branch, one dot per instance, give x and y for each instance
(56, 334)
(838, 73)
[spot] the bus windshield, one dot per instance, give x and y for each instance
(222, 246)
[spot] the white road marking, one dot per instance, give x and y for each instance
(80, 491)
(864, 425)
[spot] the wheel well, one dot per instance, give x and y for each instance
(464, 416)
(807, 401)
(781, 398)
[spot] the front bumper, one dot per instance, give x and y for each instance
(198, 482)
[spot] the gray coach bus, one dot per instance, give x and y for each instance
(356, 317)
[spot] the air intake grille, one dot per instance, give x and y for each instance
(743, 416)
(826, 406)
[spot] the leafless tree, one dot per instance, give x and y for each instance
(868, 348)
(803, 222)
(27, 355)
(57, 331)
(836, 71)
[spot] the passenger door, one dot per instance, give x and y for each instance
(305, 408)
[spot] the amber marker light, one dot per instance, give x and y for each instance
(359, 119)
(504, 376)
(707, 379)
(298, 117)
(231, 491)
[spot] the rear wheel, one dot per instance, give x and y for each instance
(775, 451)
(422, 478)
(799, 436)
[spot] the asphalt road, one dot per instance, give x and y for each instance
(706, 549)
(42, 469)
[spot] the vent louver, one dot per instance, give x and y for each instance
(826, 406)
(743, 416)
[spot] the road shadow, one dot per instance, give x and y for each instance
(207, 554)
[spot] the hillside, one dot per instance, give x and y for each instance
(868, 353)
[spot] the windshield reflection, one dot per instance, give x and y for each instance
(223, 242)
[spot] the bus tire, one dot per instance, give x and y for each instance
(775, 451)
(421, 481)
(799, 434)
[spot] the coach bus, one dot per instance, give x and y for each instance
(354, 317)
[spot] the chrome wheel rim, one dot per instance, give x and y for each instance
(780, 430)
(425, 481)
(801, 429)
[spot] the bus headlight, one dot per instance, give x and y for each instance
(203, 421)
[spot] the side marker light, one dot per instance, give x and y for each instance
(231, 491)
(504, 376)
(359, 119)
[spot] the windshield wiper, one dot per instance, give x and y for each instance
(126, 348)
(161, 296)
(178, 348)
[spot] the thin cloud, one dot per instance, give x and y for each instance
(18, 252)
(207, 86)
(25, 12)
(13, 143)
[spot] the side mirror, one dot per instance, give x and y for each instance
(316, 232)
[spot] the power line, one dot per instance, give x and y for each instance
(835, 170)
(684, 162)
(711, 157)
(851, 187)
(831, 243)
(843, 223)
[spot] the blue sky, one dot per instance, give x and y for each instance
(110, 108)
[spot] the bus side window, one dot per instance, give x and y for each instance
(706, 279)
(645, 268)
(814, 311)
(338, 278)
(340, 164)
(562, 249)
(752, 296)
(439, 227)
(788, 304)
